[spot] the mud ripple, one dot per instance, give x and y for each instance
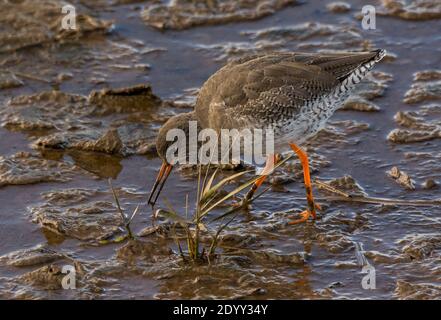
(426, 87)
(421, 125)
(27, 168)
(184, 14)
(36, 27)
(418, 10)
(70, 121)
(87, 215)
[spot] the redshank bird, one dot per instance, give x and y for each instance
(292, 94)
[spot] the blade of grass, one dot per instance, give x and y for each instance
(186, 206)
(198, 216)
(205, 179)
(133, 215)
(243, 186)
(260, 194)
(229, 195)
(209, 183)
(221, 184)
(216, 236)
(115, 197)
(178, 243)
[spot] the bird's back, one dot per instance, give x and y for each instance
(269, 89)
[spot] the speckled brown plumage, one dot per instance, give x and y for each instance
(292, 94)
(272, 88)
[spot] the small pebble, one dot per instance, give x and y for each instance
(430, 184)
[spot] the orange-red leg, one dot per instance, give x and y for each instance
(271, 161)
(311, 210)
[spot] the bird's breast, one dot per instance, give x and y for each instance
(305, 123)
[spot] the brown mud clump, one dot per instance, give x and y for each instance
(36, 27)
(28, 168)
(410, 291)
(430, 184)
(129, 99)
(426, 87)
(48, 277)
(9, 80)
(69, 121)
(37, 255)
(184, 14)
(137, 251)
(421, 125)
(347, 184)
(411, 10)
(402, 178)
(339, 7)
(421, 246)
(78, 213)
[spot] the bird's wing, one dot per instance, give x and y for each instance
(275, 87)
(274, 80)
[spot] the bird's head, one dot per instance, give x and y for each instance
(174, 134)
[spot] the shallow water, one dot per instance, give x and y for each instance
(61, 198)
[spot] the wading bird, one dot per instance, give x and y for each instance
(293, 94)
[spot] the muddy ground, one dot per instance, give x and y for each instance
(78, 107)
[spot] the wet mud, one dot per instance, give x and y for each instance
(80, 106)
(183, 14)
(412, 10)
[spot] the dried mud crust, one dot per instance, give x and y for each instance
(421, 246)
(89, 215)
(253, 270)
(184, 14)
(40, 270)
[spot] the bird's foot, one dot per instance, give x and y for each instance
(304, 216)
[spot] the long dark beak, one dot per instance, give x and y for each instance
(163, 174)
